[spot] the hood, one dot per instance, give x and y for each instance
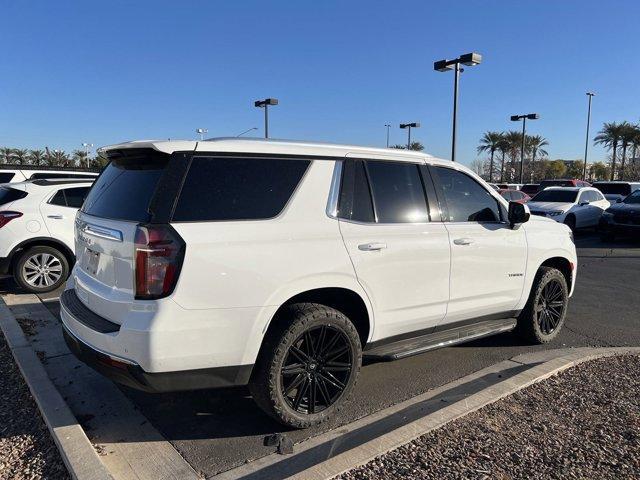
(546, 206)
(628, 208)
(612, 197)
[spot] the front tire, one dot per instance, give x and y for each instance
(308, 365)
(543, 316)
(41, 269)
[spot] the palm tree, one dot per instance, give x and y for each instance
(21, 155)
(79, 157)
(37, 157)
(417, 146)
(535, 144)
(6, 155)
(513, 138)
(627, 133)
(504, 147)
(490, 142)
(609, 137)
(59, 158)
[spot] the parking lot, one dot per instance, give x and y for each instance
(218, 430)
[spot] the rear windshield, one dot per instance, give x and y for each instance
(5, 177)
(614, 188)
(563, 196)
(8, 195)
(126, 186)
(555, 183)
(237, 188)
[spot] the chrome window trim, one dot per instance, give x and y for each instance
(334, 190)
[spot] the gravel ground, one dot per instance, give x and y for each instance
(26, 448)
(582, 423)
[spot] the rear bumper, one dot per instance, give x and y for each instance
(128, 372)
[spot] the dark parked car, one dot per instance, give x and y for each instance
(622, 218)
(530, 189)
(563, 182)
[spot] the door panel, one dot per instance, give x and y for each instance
(60, 222)
(407, 279)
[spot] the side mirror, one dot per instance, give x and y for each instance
(518, 213)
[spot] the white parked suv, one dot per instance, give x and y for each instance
(37, 231)
(280, 264)
(576, 207)
(31, 172)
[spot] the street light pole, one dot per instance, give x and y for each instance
(469, 59)
(87, 146)
(247, 131)
(409, 126)
(586, 143)
(201, 132)
(265, 104)
(388, 127)
(517, 118)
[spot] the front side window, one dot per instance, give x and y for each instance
(398, 193)
(218, 188)
(466, 199)
(70, 197)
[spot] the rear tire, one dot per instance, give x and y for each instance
(307, 366)
(543, 316)
(41, 269)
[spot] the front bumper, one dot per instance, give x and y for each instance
(131, 374)
(610, 226)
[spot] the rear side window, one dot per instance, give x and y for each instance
(355, 197)
(218, 188)
(126, 186)
(466, 199)
(398, 194)
(5, 177)
(8, 195)
(70, 197)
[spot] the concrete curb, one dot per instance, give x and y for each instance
(350, 446)
(78, 454)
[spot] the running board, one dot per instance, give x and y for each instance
(445, 338)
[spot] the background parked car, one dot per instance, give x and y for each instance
(622, 218)
(514, 195)
(576, 207)
(510, 186)
(616, 191)
(563, 182)
(530, 189)
(15, 175)
(37, 231)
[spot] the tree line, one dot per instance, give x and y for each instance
(49, 158)
(503, 149)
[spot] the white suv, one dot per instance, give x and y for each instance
(280, 264)
(36, 231)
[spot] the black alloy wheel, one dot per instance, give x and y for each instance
(316, 369)
(549, 308)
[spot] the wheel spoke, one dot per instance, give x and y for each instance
(337, 352)
(293, 369)
(301, 392)
(312, 395)
(337, 367)
(322, 386)
(331, 344)
(295, 383)
(332, 380)
(308, 341)
(299, 354)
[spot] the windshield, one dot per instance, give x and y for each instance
(560, 196)
(614, 188)
(126, 186)
(633, 198)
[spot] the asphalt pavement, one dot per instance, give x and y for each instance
(218, 430)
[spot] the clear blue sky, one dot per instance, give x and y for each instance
(117, 70)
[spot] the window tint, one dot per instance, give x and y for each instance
(355, 196)
(5, 177)
(507, 195)
(58, 199)
(8, 195)
(75, 196)
(466, 199)
(126, 186)
(398, 194)
(237, 188)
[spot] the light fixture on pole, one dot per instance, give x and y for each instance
(524, 118)
(247, 131)
(409, 126)
(468, 59)
(201, 132)
(586, 143)
(265, 104)
(87, 146)
(388, 127)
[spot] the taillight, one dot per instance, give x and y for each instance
(6, 216)
(158, 254)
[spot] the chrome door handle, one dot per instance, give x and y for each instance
(369, 247)
(463, 241)
(56, 216)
